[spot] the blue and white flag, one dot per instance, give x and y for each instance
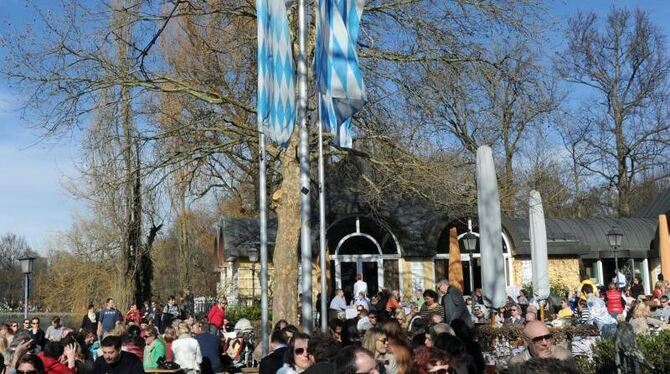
(276, 71)
(339, 77)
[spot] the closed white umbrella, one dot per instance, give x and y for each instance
(538, 246)
(490, 231)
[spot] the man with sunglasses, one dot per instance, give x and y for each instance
(37, 334)
(515, 319)
(540, 344)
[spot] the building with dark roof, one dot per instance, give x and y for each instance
(404, 245)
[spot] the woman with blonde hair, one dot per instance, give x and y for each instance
(403, 357)
(401, 317)
(376, 341)
(659, 289)
(641, 319)
(186, 350)
(3, 349)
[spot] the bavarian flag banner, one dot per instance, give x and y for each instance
(276, 72)
(339, 78)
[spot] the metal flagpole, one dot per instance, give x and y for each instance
(262, 204)
(262, 189)
(322, 233)
(305, 234)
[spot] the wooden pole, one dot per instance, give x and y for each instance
(542, 312)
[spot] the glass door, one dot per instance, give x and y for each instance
(348, 278)
(370, 276)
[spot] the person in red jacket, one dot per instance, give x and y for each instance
(51, 355)
(134, 315)
(217, 316)
(615, 301)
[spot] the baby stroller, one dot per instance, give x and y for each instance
(240, 344)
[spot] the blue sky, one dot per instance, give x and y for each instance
(33, 200)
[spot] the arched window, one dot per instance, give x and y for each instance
(361, 244)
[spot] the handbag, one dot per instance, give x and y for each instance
(168, 365)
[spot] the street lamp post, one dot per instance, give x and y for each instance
(470, 243)
(614, 236)
(253, 258)
(27, 268)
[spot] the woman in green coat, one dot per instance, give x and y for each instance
(153, 350)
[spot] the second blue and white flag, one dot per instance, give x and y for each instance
(339, 77)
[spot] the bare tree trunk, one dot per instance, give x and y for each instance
(285, 257)
(184, 263)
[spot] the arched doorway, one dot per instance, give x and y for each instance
(360, 244)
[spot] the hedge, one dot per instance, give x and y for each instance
(655, 349)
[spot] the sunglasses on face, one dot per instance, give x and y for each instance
(300, 351)
(439, 371)
(26, 371)
(34, 323)
(542, 338)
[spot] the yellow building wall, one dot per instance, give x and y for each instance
(245, 273)
(248, 271)
(417, 274)
(561, 270)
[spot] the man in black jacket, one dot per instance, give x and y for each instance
(274, 361)
(114, 360)
(453, 303)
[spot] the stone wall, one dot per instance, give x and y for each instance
(562, 270)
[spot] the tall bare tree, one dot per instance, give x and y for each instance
(621, 65)
(496, 99)
(12, 247)
(193, 72)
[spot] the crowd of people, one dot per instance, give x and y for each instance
(431, 334)
(109, 341)
(435, 333)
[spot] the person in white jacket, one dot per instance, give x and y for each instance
(186, 350)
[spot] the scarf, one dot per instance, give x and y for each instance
(91, 316)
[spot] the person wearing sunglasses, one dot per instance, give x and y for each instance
(515, 319)
(376, 341)
(37, 334)
(540, 344)
(297, 358)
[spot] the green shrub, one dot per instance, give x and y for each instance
(655, 349)
(252, 313)
(603, 356)
(585, 365)
(556, 289)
